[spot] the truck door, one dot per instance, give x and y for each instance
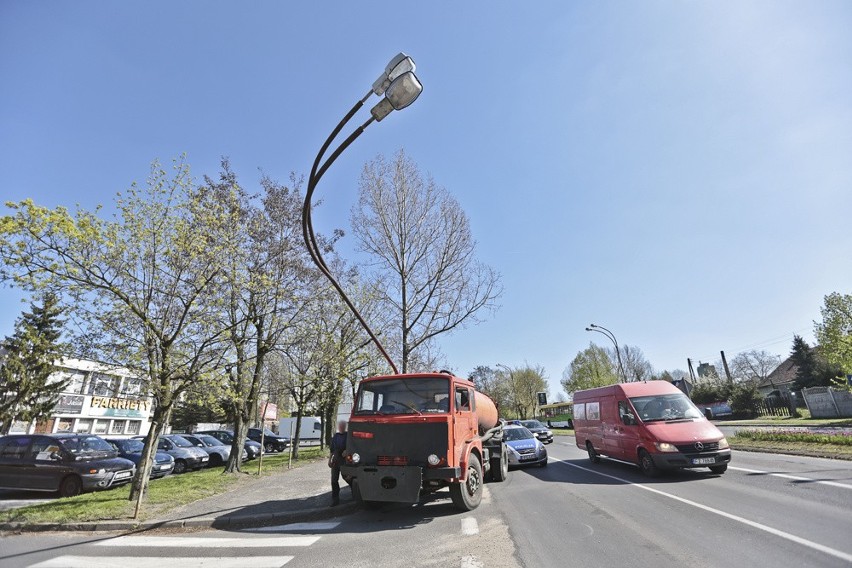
(464, 421)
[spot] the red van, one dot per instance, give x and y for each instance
(651, 424)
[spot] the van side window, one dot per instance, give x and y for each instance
(593, 411)
(626, 413)
(462, 399)
(580, 411)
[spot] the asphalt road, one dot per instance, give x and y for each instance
(767, 510)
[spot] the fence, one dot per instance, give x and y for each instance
(772, 406)
(826, 402)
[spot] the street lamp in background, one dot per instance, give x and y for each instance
(399, 87)
(604, 331)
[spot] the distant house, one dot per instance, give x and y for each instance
(780, 381)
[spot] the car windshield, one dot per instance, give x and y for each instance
(209, 440)
(414, 395)
(130, 446)
(665, 407)
(532, 424)
(512, 434)
(86, 445)
(181, 442)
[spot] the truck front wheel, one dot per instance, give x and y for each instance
(467, 494)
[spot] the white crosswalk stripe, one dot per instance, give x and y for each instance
(217, 550)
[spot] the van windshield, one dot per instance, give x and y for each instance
(665, 407)
(411, 395)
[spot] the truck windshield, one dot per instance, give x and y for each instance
(410, 395)
(665, 407)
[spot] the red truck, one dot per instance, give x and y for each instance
(413, 434)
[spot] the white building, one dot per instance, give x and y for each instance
(99, 399)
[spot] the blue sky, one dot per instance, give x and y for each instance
(679, 172)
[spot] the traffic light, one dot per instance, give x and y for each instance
(542, 398)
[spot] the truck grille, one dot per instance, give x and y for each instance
(392, 460)
(698, 447)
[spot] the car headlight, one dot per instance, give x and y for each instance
(723, 444)
(356, 457)
(665, 447)
(433, 459)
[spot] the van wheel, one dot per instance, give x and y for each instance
(593, 455)
(719, 469)
(180, 466)
(500, 466)
(647, 465)
(468, 494)
(71, 486)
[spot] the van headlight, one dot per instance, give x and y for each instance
(723, 444)
(665, 447)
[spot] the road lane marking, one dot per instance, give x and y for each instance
(469, 526)
(296, 527)
(793, 477)
(148, 561)
(785, 535)
(471, 562)
(209, 542)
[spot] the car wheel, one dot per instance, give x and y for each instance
(268, 447)
(544, 463)
(593, 455)
(467, 495)
(180, 466)
(719, 469)
(71, 486)
(500, 466)
(215, 460)
(647, 465)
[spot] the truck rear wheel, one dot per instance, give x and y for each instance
(500, 465)
(467, 494)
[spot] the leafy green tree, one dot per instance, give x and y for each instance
(26, 390)
(710, 390)
(812, 369)
(141, 285)
(494, 384)
(834, 332)
(743, 398)
(591, 367)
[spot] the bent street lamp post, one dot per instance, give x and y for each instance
(399, 87)
(604, 331)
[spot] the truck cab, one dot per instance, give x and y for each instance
(413, 434)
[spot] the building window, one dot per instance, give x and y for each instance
(133, 426)
(117, 427)
(64, 424)
(103, 385)
(101, 426)
(84, 426)
(131, 387)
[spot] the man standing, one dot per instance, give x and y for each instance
(338, 446)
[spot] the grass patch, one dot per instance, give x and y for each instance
(793, 436)
(163, 495)
(562, 432)
(787, 421)
(796, 448)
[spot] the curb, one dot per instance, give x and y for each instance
(198, 522)
(804, 453)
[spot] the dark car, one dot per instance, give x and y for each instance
(272, 442)
(540, 430)
(130, 449)
(253, 449)
(66, 463)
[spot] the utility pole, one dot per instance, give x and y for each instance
(727, 370)
(691, 370)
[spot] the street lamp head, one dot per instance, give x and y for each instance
(589, 329)
(400, 64)
(402, 91)
(592, 325)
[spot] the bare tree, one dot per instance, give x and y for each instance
(636, 366)
(753, 366)
(422, 253)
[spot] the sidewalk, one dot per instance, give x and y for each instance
(296, 495)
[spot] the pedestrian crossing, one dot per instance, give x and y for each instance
(262, 547)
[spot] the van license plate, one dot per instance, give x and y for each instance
(703, 461)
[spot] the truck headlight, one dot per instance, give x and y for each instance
(665, 447)
(433, 459)
(356, 457)
(723, 444)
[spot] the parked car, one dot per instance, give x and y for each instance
(524, 448)
(65, 463)
(186, 456)
(272, 442)
(253, 449)
(540, 430)
(131, 449)
(651, 424)
(218, 451)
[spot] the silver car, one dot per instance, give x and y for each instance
(524, 448)
(218, 451)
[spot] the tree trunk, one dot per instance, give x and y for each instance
(240, 431)
(143, 472)
(295, 440)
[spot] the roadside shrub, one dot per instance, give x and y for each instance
(743, 399)
(803, 436)
(708, 391)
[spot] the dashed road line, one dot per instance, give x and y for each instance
(148, 561)
(779, 533)
(793, 477)
(208, 542)
(469, 526)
